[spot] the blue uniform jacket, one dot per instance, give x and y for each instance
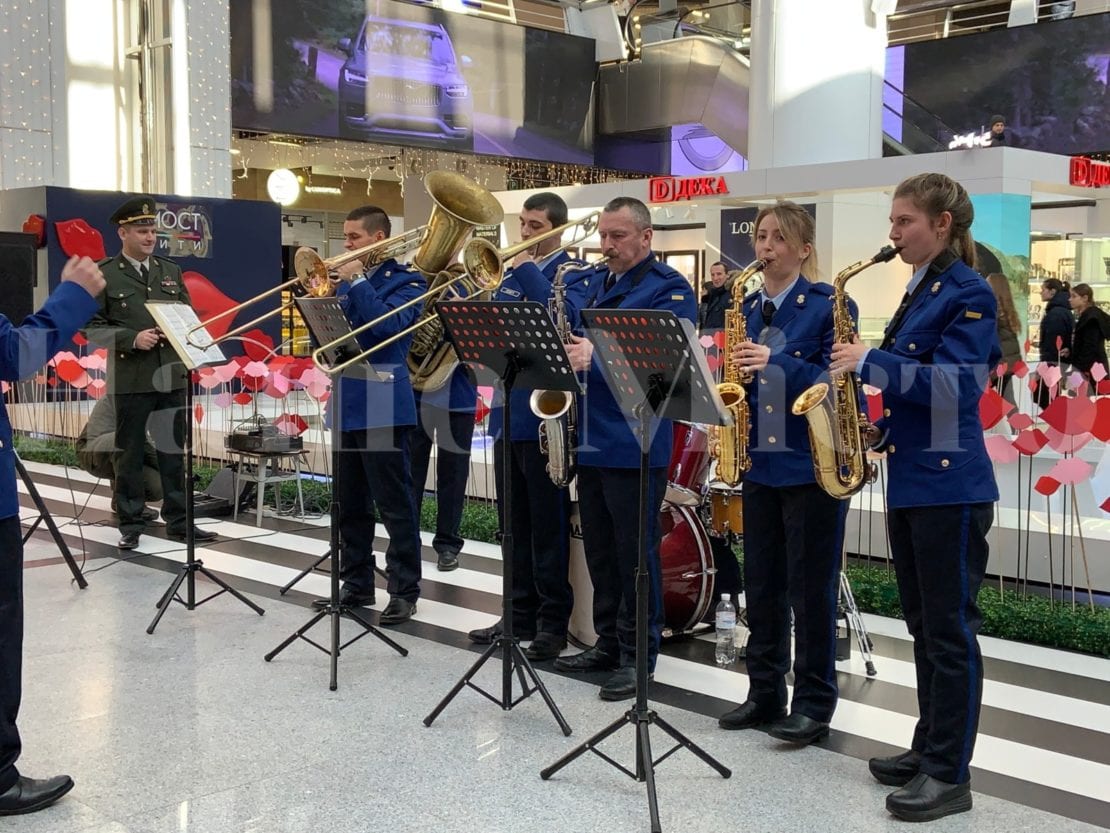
(459, 394)
(800, 337)
(374, 404)
(26, 348)
(529, 283)
(932, 373)
(607, 436)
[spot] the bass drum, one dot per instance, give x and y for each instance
(687, 561)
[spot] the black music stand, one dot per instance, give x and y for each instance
(46, 518)
(655, 369)
(518, 342)
(175, 321)
(327, 324)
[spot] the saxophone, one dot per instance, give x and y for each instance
(730, 445)
(832, 408)
(557, 409)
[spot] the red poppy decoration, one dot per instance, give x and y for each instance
(1047, 485)
(481, 410)
(992, 408)
(36, 224)
(70, 371)
(1031, 441)
(1001, 369)
(76, 237)
(257, 345)
(1067, 443)
(1019, 421)
(198, 413)
(1101, 426)
(80, 340)
(1070, 415)
(1021, 369)
(242, 398)
(1105, 505)
(209, 302)
(291, 424)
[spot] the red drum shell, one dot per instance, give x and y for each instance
(689, 466)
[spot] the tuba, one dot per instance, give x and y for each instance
(832, 408)
(557, 409)
(730, 446)
(431, 359)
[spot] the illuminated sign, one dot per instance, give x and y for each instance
(674, 188)
(970, 140)
(1089, 173)
(184, 230)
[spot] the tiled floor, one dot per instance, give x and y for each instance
(190, 731)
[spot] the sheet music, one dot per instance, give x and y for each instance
(175, 321)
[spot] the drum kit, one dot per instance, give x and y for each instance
(695, 507)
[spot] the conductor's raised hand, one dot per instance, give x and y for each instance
(84, 272)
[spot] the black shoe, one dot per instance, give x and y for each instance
(545, 646)
(750, 714)
(799, 729)
(622, 685)
(149, 514)
(897, 770)
(925, 798)
(486, 636)
(348, 597)
(128, 541)
(447, 561)
(397, 611)
(592, 660)
(30, 794)
(199, 535)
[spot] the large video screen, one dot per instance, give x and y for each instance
(398, 73)
(1048, 80)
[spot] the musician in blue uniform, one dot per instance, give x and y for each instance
(446, 415)
(372, 466)
(23, 350)
(609, 454)
(932, 367)
(542, 595)
(793, 530)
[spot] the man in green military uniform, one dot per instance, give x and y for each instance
(145, 377)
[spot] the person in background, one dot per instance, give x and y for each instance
(23, 350)
(1056, 327)
(716, 300)
(1092, 329)
(447, 415)
(932, 366)
(96, 445)
(1009, 325)
(998, 131)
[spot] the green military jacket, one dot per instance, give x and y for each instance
(123, 314)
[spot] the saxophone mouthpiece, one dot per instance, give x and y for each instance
(886, 253)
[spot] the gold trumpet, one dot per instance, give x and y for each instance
(487, 261)
(459, 204)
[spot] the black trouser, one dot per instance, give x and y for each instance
(793, 537)
(166, 415)
(608, 502)
(372, 470)
(542, 595)
(453, 432)
(940, 555)
(11, 646)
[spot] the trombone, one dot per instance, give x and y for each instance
(483, 272)
(459, 204)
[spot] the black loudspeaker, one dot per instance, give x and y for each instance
(220, 497)
(18, 275)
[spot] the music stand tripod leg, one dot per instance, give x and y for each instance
(48, 519)
(334, 610)
(313, 566)
(512, 657)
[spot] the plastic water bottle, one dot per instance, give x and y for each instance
(726, 628)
